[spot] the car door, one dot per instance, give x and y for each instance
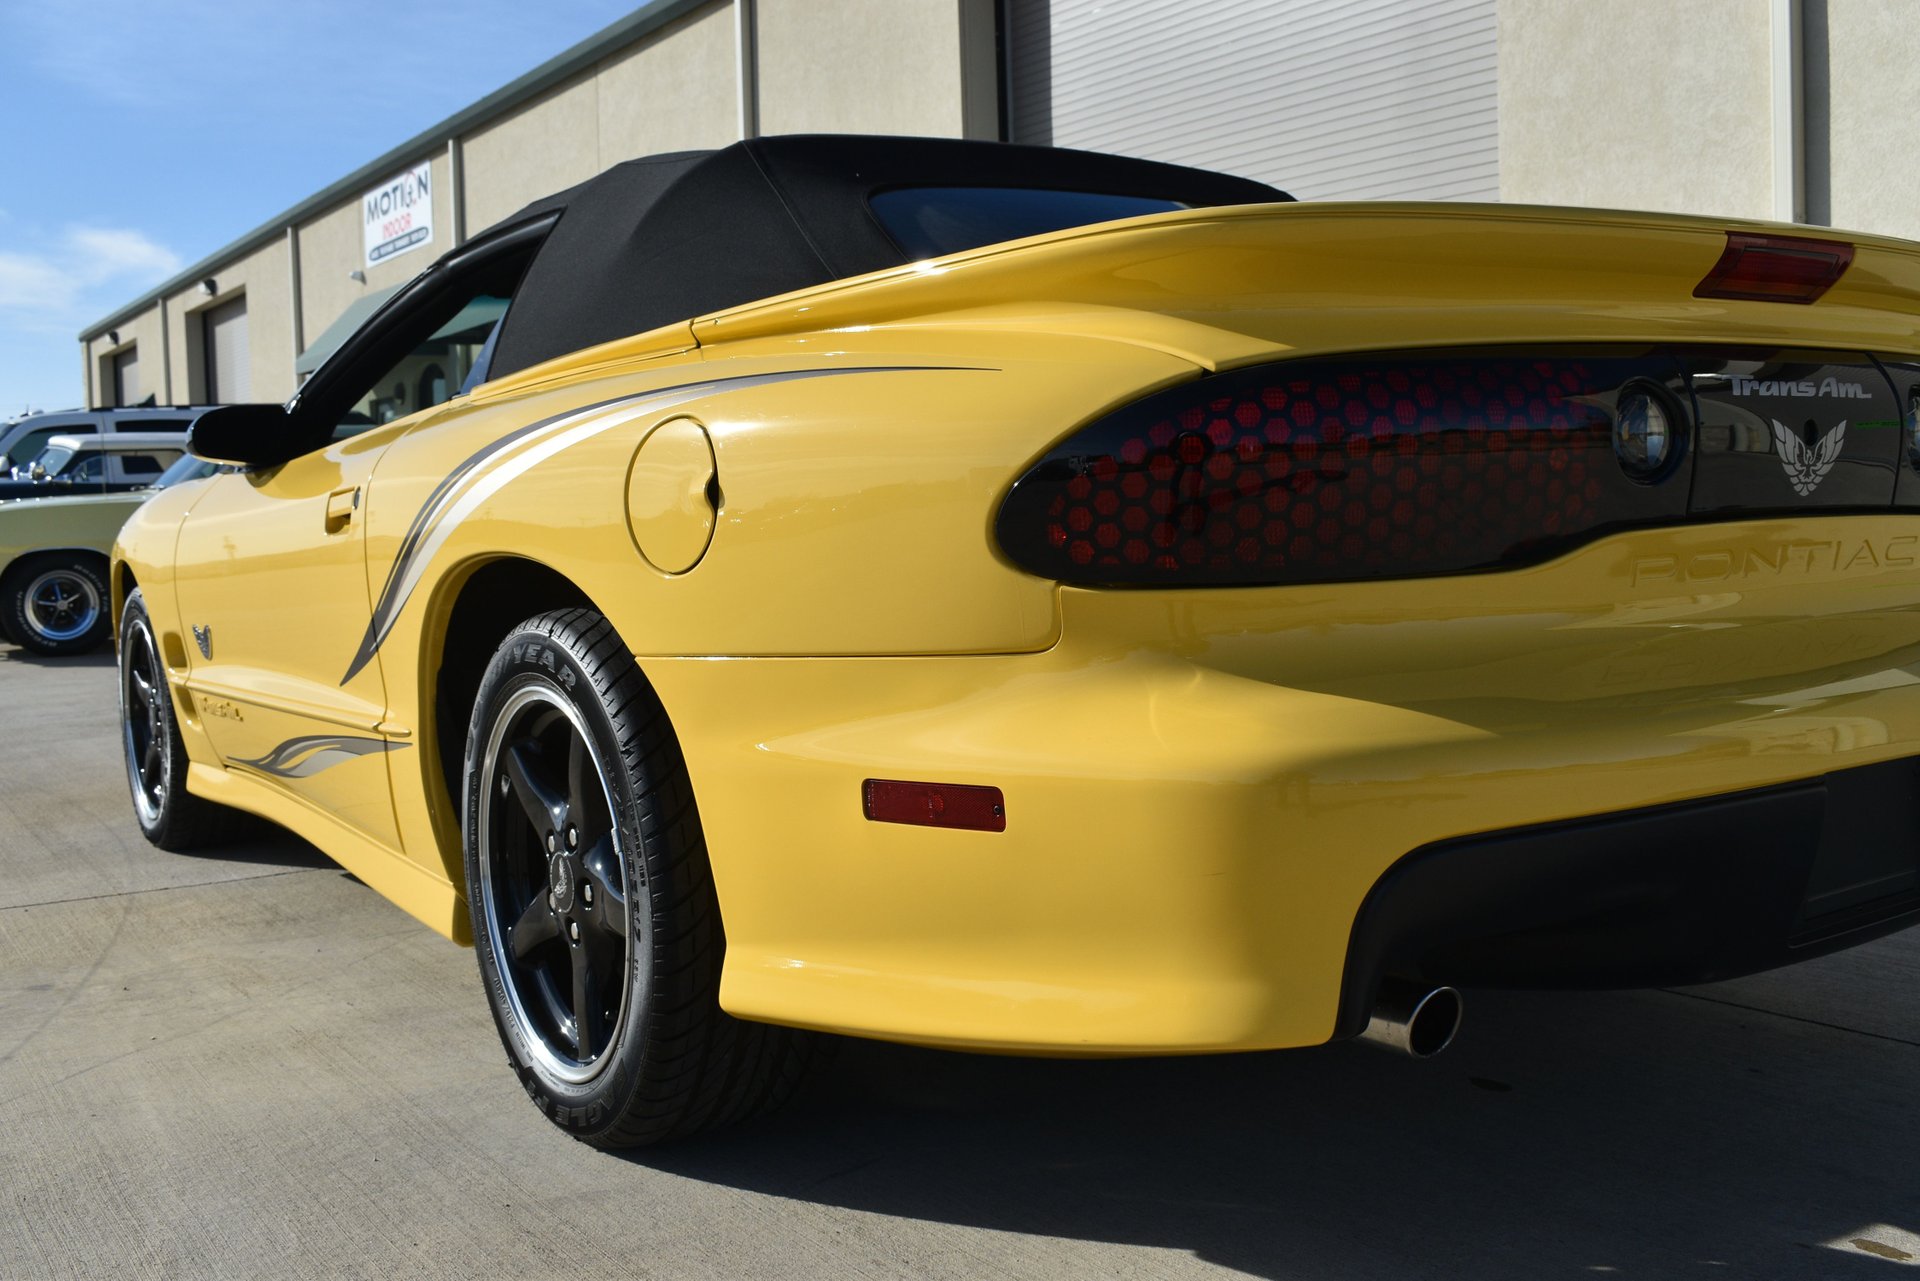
(86, 474)
(271, 565)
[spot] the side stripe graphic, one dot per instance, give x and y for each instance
(501, 461)
(305, 757)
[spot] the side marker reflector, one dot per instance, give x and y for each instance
(1775, 268)
(975, 809)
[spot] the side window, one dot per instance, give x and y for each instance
(32, 443)
(134, 466)
(429, 374)
(90, 469)
(422, 348)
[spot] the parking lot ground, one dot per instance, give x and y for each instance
(250, 1065)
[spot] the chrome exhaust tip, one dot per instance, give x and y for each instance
(1413, 1020)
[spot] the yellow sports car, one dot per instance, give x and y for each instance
(1035, 601)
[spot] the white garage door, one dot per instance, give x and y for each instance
(229, 379)
(1327, 99)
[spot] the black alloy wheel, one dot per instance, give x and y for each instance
(555, 887)
(595, 923)
(170, 816)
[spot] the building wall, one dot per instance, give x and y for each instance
(673, 91)
(143, 335)
(546, 145)
(1639, 104)
(1870, 79)
(264, 278)
(865, 66)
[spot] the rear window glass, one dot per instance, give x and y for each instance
(927, 222)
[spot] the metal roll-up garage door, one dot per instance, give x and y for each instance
(228, 362)
(1327, 99)
(126, 377)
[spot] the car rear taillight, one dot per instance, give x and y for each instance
(1775, 268)
(1383, 466)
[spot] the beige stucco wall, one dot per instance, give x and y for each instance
(861, 66)
(1874, 53)
(670, 92)
(142, 333)
(546, 145)
(1639, 104)
(264, 279)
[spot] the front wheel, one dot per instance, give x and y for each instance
(170, 816)
(56, 605)
(594, 917)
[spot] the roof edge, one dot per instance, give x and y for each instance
(644, 21)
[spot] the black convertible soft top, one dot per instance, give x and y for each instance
(666, 238)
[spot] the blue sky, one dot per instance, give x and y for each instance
(137, 136)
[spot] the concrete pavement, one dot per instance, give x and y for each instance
(252, 1066)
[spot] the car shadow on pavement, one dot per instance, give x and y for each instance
(1632, 1134)
(255, 840)
(27, 658)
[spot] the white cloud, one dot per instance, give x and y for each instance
(53, 281)
(114, 253)
(32, 283)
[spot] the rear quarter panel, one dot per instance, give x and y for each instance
(855, 509)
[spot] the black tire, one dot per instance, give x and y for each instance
(574, 780)
(169, 816)
(56, 604)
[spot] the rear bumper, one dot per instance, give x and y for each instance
(1685, 893)
(1211, 795)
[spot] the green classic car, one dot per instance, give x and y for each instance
(53, 562)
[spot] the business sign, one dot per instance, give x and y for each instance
(398, 214)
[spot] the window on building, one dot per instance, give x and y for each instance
(228, 360)
(126, 377)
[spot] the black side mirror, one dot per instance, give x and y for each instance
(253, 435)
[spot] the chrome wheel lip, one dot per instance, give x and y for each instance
(569, 1070)
(85, 614)
(141, 635)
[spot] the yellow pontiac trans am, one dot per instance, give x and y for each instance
(1035, 601)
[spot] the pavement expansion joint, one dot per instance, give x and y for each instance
(164, 889)
(1795, 1018)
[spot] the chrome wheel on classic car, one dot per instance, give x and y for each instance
(55, 605)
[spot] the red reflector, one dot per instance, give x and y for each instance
(1775, 268)
(977, 809)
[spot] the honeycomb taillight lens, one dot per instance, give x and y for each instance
(1385, 466)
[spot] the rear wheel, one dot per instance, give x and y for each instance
(169, 815)
(56, 605)
(594, 918)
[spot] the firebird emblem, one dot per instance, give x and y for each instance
(203, 637)
(1808, 463)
